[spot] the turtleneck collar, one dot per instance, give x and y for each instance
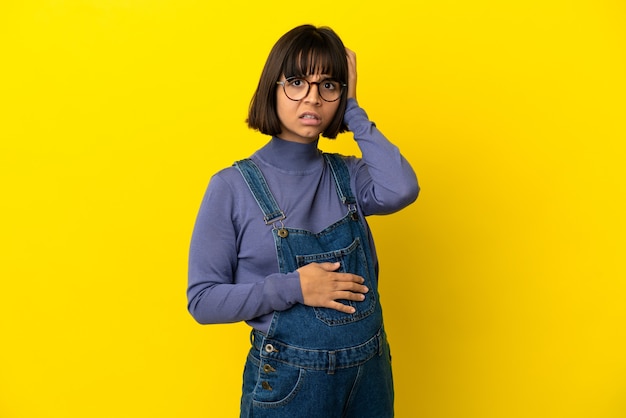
(291, 157)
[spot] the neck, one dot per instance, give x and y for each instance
(291, 156)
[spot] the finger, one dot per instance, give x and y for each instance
(351, 59)
(349, 277)
(357, 297)
(341, 307)
(351, 56)
(351, 288)
(348, 287)
(330, 266)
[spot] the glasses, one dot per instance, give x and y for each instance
(298, 88)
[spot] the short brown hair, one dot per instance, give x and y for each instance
(302, 51)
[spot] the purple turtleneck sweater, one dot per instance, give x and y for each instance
(233, 270)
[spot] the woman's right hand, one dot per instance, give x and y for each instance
(322, 286)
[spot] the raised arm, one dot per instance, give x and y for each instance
(385, 182)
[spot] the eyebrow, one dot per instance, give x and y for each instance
(321, 76)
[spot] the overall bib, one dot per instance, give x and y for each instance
(319, 362)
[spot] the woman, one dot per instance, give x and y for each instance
(281, 240)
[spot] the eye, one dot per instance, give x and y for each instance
(329, 85)
(295, 82)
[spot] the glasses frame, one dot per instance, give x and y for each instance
(308, 90)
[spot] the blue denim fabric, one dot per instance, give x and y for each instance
(318, 362)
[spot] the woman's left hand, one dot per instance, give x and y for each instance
(351, 57)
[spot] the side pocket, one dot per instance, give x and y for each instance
(278, 383)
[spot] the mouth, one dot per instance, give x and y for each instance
(309, 116)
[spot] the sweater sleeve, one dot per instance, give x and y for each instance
(215, 292)
(385, 182)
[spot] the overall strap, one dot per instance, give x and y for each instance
(342, 178)
(259, 188)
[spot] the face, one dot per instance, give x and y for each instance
(304, 120)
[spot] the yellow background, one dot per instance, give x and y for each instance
(504, 285)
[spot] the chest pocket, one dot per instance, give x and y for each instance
(352, 260)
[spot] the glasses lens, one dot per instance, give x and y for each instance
(329, 90)
(296, 88)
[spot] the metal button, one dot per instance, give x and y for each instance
(282, 232)
(269, 348)
(268, 368)
(266, 386)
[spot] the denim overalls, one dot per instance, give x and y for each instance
(319, 362)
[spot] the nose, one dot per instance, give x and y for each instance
(313, 96)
